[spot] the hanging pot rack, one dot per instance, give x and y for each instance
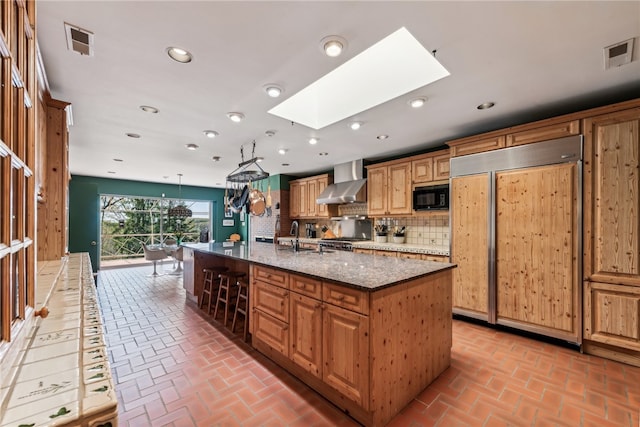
(246, 172)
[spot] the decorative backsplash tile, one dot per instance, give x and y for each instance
(427, 230)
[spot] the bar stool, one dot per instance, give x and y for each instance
(225, 292)
(243, 299)
(210, 274)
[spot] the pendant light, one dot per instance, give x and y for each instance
(180, 210)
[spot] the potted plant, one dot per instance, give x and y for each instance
(398, 235)
(381, 233)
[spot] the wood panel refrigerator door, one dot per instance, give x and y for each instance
(470, 245)
(537, 250)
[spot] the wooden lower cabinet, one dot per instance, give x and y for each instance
(343, 341)
(306, 333)
(612, 318)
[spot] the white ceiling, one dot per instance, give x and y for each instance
(533, 59)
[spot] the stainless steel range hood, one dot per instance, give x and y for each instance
(348, 186)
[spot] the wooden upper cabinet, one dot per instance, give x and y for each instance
(441, 166)
(422, 170)
(545, 133)
(294, 199)
(389, 189)
(430, 167)
(612, 202)
(473, 145)
(377, 191)
(303, 194)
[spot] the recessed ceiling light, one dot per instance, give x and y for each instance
(382, 137)
(485, 105)
(210, 133)
(216, 158)
(323, 154)
(333, 46)
(285, 164)
(235, 117)
(313, 141)
(273, 90)
(132, 135)
(270, 133)
(282, 151)
(417, 102)
(165, 177)
(355, 125)
(118, 160)
(259, 159)
(191, 147)
(179, 55)
(149, 109)
(111, 172)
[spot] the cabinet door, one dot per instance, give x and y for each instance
(312, 195)
(294, 199)
(612, 202)
(322, 210)
(399, 190)
(612, 314)
(306, 333)
(304, 202)
(346, 353)
(470, 244)
(441, 167)
(422, 170)
(537, 249)
(546, 133)
(377, 191)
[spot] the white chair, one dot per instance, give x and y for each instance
(154, 255)
(177, 256)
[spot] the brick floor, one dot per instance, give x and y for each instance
(173, 366)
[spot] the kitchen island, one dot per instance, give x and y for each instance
(368, 333)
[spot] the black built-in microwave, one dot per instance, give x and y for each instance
(431, 198)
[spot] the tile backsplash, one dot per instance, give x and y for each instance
(432, 230)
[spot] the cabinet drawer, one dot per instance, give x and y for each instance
(437, 258)
(306, 286)
(349, 298)
(272, 300)
(271, 275)
(271, 331)
(408, 255)
(391, 254)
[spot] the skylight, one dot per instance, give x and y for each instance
(392, 67)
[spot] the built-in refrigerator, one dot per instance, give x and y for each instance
(516, 237)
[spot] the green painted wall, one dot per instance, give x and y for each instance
(84, 208)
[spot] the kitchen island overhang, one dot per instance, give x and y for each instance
(368, 333)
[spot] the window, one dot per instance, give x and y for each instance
(128, 222)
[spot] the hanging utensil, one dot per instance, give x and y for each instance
(268, 201)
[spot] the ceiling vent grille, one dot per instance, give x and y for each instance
(618, 54)
(79, 40)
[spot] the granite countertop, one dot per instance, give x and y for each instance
(361, 271)
(398, 247)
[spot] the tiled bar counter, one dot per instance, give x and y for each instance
(369, 333)
(61, 376)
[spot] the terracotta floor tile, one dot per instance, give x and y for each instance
(174, 366)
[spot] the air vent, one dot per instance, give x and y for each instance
(79, 40)
(618, 54)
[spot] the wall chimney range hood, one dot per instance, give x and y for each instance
(348, 186)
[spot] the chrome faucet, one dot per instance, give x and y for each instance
(295, 231)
